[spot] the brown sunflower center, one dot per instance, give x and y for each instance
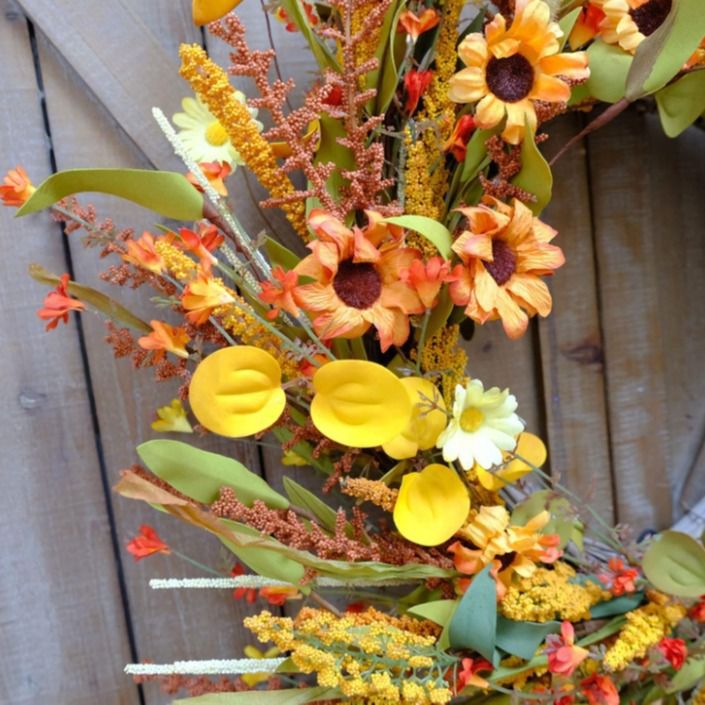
(357, 284)
(511, 78)
(650, 16)
(503, 263)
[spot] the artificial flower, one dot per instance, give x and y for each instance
(587, 26)
(357, 280)
(484, 424)
(529, 447)
(58, 304)
(563, 655)
(674, 651)
(236, 391)
(253, 679)
(509, 69)
(216, 173)
(697, 611)
(204, 137)
(505, 252)
(16, 187)
(278, 595)
(468, 674)
(431, 506)
(415, 25)
(618, 579)
(359, 404)
(203, 243)
(629, 22)
(600, 690)
(165, 338)
(280, 292)
(311, 15)
(142, 253)
(146, 543)
(415, 85)
(205, 11)
(243, 593)
(172, 419)
(427, 279)
(202, 295)
(457, 143)
(426, 421)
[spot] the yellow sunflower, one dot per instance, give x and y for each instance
(629, 22)
(203, 136)
(509, 69)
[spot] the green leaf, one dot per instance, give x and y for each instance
(620, 605)
(393, 57)
(431, 229)
(291, 696)
(529, 508)
(302, 497)
(476, 153)
(662, 55)
(474, 624)
(298, 16)
(164, 192)
(609, 66)
(566, 23)
(200, 474)
(439, 611)
(675, 564)
(94, 298)
(440, 313)
(535, 175)
(692, 672)
(522, 639)
(280, 255)
(682, 103)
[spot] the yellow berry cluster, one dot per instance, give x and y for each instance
(442, 355)
(177, 263)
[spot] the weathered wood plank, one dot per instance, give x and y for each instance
(63, 635)
(571, 351)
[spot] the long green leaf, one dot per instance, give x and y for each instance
(620, 605)
(522, 639)
(662, 55)
(280, 255)
(393, 56)
(681, 103)
(609, 66)
(476, 153)
(675, 564)
(566, 23)
(438, 611)
(165, 192)
(302, 497)
(292, 696)
(200, 474)
(96, 299)
(435, 232)
(535, 175)
(692, 672)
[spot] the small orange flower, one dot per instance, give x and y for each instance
(203, 242)
(357, 284)
(202, 295)
(415, 25)
(165, 338)
(600, 690)
(280, 292)
(618, 579)
(281, 14)
(146, 543)
(142, 253)
(457, 143)
(58, 304)
(249, 594)
(468, 675)
(587, 26)
(16, 187)
(563, 655)
(505, 253)
(674, 651)
(697, 611)
(415, 85)
(427, 279)
(278, 595)
(216, 173)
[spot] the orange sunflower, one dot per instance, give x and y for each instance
(505, 251)
(508, 70)
(629, 22)
(358, 284)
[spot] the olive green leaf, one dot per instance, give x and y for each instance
(675, 564)
(681, 103)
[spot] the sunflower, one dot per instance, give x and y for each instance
(357, 280)
(508, 70)
(629, 22)
(505, 252)
(203, 136)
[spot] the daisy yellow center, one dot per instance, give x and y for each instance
(216, 134)
(471, 420)
(503, 263)
(511, 78)
(358, 284)
(651, 15)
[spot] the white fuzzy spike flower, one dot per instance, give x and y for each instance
(484, 424)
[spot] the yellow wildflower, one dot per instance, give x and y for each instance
(442, 355)
(172, 419)
(178, 264)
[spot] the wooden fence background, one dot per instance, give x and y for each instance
(614, 377)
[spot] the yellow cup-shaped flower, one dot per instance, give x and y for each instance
(359, 404)
(531, 448)
(424, 427)
(432, 505)
(205, 11)
(236, 391)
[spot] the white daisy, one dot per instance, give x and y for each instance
(483, 425)
(203, 136)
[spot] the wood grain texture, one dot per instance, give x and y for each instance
(63, 636)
